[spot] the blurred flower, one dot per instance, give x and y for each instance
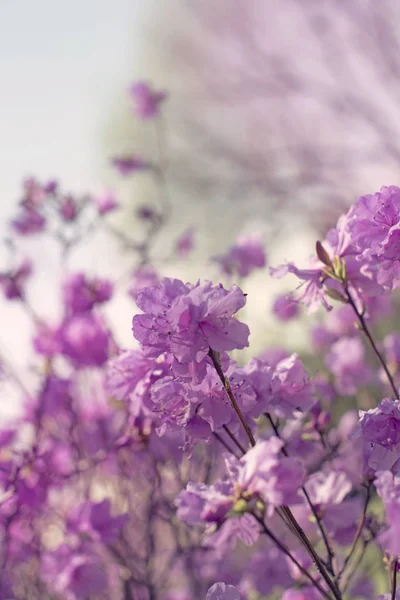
(145, 101)
(285, 307)
(126, 165)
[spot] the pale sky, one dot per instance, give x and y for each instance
(62, 63)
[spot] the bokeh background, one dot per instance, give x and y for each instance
(279, 115)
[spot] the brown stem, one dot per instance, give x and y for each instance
(394, 585)
(234, 440)
(310, 549)
(286, 551)
(285, 509)
(357, 534)
(365, 329)
(223, 442)
(327, 542)
(226, 383)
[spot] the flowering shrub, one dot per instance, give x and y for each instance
(169, 469)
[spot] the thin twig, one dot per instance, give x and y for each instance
(394, 585)
(286, 551)
(357, 534)
(226, 383)
(365, 329)
(223, 442)
(327, 542)
(234, 440)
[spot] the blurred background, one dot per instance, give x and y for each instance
(279, 115)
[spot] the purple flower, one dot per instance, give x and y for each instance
(145, 101)
(84, 340)
(75, 573)
(187, 320)
(346, 360)
(95, 520)
(222, 591)
(200, 503)
(68, 209)
(241, 259)
(144, 276)
(170, 403)
(46, 340)
(185, 243)
(337, 261)
(262, 472)
(379, 428)
(81, 294)
(329, 488)
(388, 488)
(29, 221)
(285, 308)
(277, 479)
(375, 228)
(312, 293)
(13, 281)
(126, 165)
(292, 389)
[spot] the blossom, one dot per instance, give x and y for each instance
(81, 294)
(292, 388)
(29, 221)
(84, 340)
(335, 271)
(144, 276)
(246, 255)
(222, 591)
(13, 281)
(126, 165)
(388, 488)
(285, 308)
(187, 320)
(145, 101)
(184, 244)
(328, 488)
(95, 519)
(379, 428)
(346, 360)
(277, 479)
(262, 473)
(68, 209)
(375, 228)
(107, 202)
(75, 572)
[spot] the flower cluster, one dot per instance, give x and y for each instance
(184, 467)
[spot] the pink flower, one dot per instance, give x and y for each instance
(126, 165)
(144, 276)
(285, 308)
(84, 340)
(81, 294)
(187, 320)
(184, 244)
(346, 360)
(145, 101)
(13, 281)
(379, 428)
(107, 202)
(29, 221)
(241, 259)
(68, 209)
(222, 591)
